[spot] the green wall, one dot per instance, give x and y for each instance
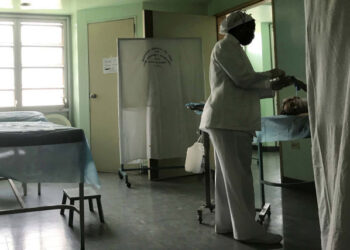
(266, 104)
(290, 49)
(259, 54)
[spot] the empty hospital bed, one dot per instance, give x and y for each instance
(40, 151)
(21, 116)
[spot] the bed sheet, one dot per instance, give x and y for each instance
(17, 116)
(39, 151)
(283, 128)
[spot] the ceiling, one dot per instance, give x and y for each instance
(261, 13)
(70, 6)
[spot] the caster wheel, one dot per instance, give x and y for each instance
(200, 217)
(120, 175)
(128, 185)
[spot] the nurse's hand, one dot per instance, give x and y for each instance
(281, 82)
(274, 73)
(299, 84)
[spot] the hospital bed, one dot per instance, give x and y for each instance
(19, 116)
(35, 150)
(273, 129)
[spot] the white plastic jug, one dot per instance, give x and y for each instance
(194, 158)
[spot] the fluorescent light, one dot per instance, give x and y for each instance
(41, 4)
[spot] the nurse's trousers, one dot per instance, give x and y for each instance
(234, 191)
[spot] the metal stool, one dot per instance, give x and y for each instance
(73, 195)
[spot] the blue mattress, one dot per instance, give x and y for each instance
(283, 128)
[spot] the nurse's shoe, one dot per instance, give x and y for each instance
(266, 238)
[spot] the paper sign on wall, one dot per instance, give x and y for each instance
(110, 65)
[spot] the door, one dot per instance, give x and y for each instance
(102, 39)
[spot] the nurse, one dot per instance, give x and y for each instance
(231, 116)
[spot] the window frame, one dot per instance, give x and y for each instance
(66, 24)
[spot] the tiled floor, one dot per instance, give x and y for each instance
(154, 215)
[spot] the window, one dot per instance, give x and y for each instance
(33, 64)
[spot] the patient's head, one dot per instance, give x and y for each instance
(294, 106)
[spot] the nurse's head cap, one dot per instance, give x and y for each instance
(233, 20)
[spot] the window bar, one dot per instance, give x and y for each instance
(17, 60)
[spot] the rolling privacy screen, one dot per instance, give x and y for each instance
(157, 77)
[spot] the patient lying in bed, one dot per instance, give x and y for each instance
(294, 106)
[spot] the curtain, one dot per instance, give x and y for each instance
(157, 77)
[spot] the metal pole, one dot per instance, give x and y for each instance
(37, 209)
(24, 186)
(261, 168)
(81, 213)
(207, 168)
(39, 188)
(15, 191)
